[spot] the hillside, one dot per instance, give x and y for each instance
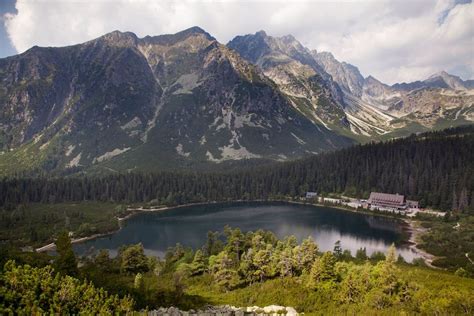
(243, 269)
(435, 168)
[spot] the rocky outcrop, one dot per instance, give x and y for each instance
(293, 68)
(227, 310)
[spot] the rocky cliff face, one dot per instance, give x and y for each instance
(346, 75)
(377, 108)
(292, 67)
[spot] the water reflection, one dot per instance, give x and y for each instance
(188, 226)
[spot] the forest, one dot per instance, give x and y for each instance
(233, 267)
(436, 168)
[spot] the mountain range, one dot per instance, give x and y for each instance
(185, 100)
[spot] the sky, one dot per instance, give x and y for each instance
(394, 41)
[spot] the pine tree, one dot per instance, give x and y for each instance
(323, 270)
(391, 256)
(337, 250)
(463, 200)
(308, 253)
(454, 205)
(133, 259)
(224, 273)
(139, 282)
(66, 261)
(198, 266)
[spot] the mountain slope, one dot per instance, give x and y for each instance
(184, 100)
(291, 66)
(319, 86)
(121, 102)
(440, 101)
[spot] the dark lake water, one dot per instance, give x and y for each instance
(189, 225)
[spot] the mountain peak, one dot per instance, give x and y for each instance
(169, 39)
(195, 30)
(446, 80)
(261, 33)
(441, 73)
(371, 78)
(288, 38)
(327, 55)
(119, 38)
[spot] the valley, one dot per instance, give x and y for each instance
(178, 174)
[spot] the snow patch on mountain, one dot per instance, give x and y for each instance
(181, 152)
(110, 154)
(299, 140)
(231, 153)
(69, 150)
(133, 123)
(74, 161)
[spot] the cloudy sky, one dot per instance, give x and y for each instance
(395, 41)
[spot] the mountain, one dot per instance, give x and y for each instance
(318, 85)
(440, 101)
(336, 94)
(184, 100)
(121, 102)
(439, 80)
(346, 75)
(291, 66)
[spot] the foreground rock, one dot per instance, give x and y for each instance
(226, 310)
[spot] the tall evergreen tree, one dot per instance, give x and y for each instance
(65, 262)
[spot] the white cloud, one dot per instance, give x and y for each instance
(392, 40)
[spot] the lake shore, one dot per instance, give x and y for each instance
(133, 212)
(52, 246)
(416, 231)
(410, 226)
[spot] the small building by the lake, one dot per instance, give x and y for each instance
(311, 195)
(413, 204)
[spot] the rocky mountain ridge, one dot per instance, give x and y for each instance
(120, 102)
(357, 106)
(184, 100)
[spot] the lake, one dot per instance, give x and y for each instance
(189, 225)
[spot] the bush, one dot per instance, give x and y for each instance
(27, 290)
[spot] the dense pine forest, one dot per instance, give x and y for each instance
(436, 168)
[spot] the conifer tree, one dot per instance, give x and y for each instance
(66, 260)
(323, 269)
(138, 282)
(198, 266)
(337, 250)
